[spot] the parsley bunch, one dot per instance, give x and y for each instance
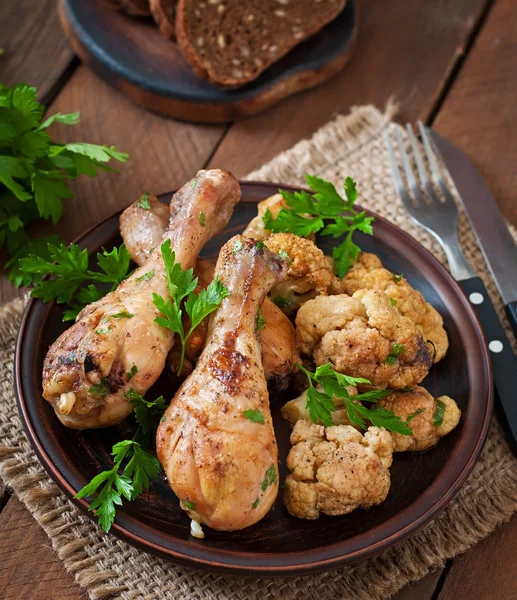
(181, 286)
(133, 467)
(34, 170)
(321, 403)
(324, 212)
(72, 282)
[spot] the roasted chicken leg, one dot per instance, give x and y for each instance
(115, 344)
(216, 441)
(141, 230)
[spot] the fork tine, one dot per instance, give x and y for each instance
(397, 178)
(422, 173)
(433, 163)
(411, 179)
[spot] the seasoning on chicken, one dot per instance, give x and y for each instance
(216, 441)
(85, 373)
(277, 338)
(364, 336)
(308, 275)
(335, 470)
(368, 273)
(434, 417)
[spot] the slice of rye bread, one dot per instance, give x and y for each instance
(164, 13)
(230, 42)
(135, 8)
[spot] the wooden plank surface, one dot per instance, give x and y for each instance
(405, 51)
(44, 578)
(35, 50)
(480, 114)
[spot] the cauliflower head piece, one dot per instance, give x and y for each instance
(308, 275)
(335, 470)
(368, 273)
(364, 336)
(434, 417)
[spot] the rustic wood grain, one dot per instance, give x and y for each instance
(488, 571)
(405, 51)
(35, 50)
(422, 589)
(480, 114)
(163, 154)
(29, 567)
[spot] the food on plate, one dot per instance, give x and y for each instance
(142, 226)
(368, 273)
(85, 373)
(164, 13)
(335, 470)
(231, 42)
(216, 441)
(364, 336)
(297, 409)
(135, 8)
(308, 275)
(433, 417)
(255, 228)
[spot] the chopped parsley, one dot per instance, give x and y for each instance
(270, 478)
(130, 374)
(261, 322)
(439, 412)
(144, 202)
(255, 416)
(189, 504)
(396, 351)
(146, 276)
(100, 389)
(202, 219)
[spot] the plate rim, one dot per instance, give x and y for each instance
(294, 563)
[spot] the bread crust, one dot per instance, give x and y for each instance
(164, 13)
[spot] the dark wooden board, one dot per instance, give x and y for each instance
(134, 58)
(422, 483)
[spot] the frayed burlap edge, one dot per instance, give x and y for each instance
(107, 567)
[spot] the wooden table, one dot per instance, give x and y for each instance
(451, 63)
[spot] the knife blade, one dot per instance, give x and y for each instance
(493, 236)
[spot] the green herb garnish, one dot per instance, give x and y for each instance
(396, 351)
(270, 478)
(237, 246)
(393, 302)
(397, 278)
(281, 302)
(130, 374)
(255, 416)
(324, 212)
(439, 412)
(256, 503)
(100, 389)
(189, 504)
(202, 219)
(146, 276)
(261, 322)
(144, 202)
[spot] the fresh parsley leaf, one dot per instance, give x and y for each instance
(147, 414)
(132, 372)
(123, 314)
(181, 286)
(397, 278)
(325, 212)
(103, 331)
(439, 412)
(261, 322)
(415, 414)
(189, 504)
(100, 389)
(202, 219)
(393, 302)
(237, 246)
(281, 302)
(255, 504)
(144, 202)
(259, 245)
(146, 276)
(285, 256)
(254, 415)
(396, 351)
(141, 469)
(270, 478)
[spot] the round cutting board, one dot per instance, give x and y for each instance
(131, 55)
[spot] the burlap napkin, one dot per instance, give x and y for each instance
(105, 566)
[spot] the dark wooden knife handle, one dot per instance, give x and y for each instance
(511, 309)
(504, 361)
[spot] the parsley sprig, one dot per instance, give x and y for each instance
(325, 212)
(71, 280)
(181, 286)
(321, 403)
(133, 467)
(34, 170)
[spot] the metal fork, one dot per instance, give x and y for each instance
(438, 214)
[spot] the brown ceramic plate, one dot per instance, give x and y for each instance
(422, 483)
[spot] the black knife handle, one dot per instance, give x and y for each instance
(504, 361)
(511, 309)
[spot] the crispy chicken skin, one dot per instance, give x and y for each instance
(85, 370)
(360, 336)
(140, 228)
(308, 275)
(368, 273)
(425, 433)
(335, 470)
(213, 455)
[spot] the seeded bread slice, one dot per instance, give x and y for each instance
(230, 42)
(164, 13)
(135, 8)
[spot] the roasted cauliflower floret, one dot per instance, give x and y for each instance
(255, 228)
(434, 417)
(335, 470)
(296, 410)
(368, 273)
(308, 275)
(364, 336)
